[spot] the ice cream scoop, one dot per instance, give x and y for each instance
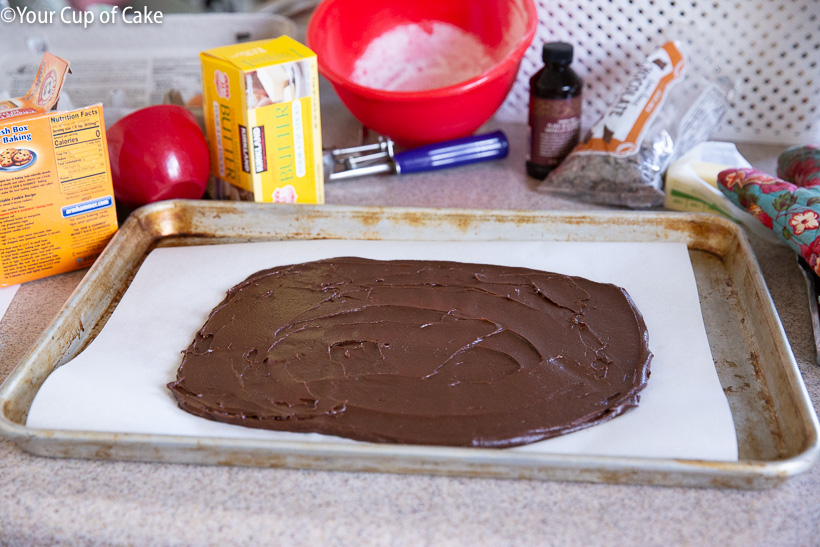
(380, 157)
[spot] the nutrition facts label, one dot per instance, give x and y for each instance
(79, 149)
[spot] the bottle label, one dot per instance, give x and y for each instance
(555, 126)
(621, 131)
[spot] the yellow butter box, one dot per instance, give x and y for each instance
(56, 197)
(261, 106)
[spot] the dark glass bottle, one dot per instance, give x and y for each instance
(555, 110)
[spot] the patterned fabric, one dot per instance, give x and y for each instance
(800, 165)
(791, 211)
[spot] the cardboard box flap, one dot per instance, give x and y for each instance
(44, 92)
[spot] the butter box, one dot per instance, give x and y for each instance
(261, 106)
(56, 196)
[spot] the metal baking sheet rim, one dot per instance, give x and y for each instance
(202, 222)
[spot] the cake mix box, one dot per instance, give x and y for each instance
(261, 105)
(56, 196)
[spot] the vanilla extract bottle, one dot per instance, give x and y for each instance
(555, 110)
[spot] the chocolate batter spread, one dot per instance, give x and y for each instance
(418, 352)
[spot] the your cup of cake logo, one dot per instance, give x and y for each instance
(128, 15)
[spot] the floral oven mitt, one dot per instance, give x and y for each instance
(790, 207)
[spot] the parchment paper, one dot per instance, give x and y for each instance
(118, 384)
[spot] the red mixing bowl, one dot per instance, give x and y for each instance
(340, 30)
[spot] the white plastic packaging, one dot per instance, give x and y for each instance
(691, 185)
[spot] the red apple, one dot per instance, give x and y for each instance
(158, 152)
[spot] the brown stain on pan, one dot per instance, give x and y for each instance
(414, 219)
(369, 217)
(709, 235)
(461, 222)
(768, 404)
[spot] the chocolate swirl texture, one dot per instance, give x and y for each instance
(417, 352)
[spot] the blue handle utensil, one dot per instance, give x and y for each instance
(372, 159)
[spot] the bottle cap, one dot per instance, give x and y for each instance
(557, 52)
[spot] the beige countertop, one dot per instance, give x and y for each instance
(47, 501)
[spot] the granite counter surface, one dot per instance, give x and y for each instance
(48, 501)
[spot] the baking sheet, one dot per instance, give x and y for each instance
(117, 384)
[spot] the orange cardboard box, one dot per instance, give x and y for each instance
(56, 196)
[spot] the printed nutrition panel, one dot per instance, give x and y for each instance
(79, 149)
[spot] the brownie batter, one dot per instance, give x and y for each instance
(418, 352)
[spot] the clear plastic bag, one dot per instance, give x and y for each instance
(664, 110)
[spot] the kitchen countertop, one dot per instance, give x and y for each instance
(47, 501)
